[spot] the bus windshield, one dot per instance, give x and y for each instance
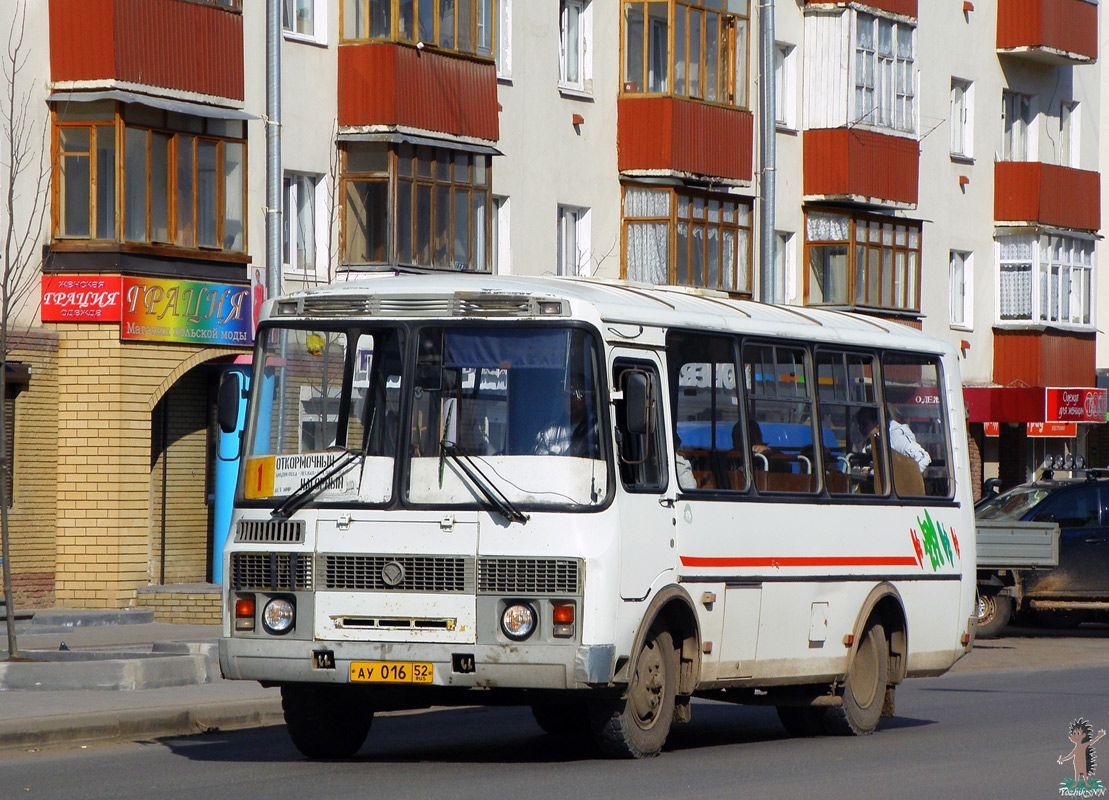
(494, 416)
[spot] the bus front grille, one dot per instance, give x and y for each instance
(271, 571)
(268, 531)
(396, 573)
(528, 576)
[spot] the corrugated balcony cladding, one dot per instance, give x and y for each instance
(858, 163)
(905, 8)
(1044, 358)
(164, 44)
(1064, 197)
(672, 133)
(1065, 27)
(392, 84)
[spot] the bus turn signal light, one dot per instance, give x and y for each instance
(244, 613)
(563, 619)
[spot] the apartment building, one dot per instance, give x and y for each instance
(937, 165)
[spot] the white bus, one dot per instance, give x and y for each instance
(597, 499)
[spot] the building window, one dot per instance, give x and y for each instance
(463, 26)
(304, 19)
(784, 289)
(687, 238)
(503, 42)
(961, 118)
(1045, 278)
(708, 56)
(862, 260)
(422, 206)
(573, 241)
(960, 280)
(885, 95)
(1068, 134)
(181, 188)
(574, 56)
(1016, 124)
(302, 218)
(784, 70)
(501, 237)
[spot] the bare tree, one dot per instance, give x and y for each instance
(25, 180)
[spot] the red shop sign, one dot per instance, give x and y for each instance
(1074, 405)
(1052, 430)
(81, 298)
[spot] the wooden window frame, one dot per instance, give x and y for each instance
(478, 51)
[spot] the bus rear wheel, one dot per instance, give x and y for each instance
(864, 691)
(326, 721)
(636, 725)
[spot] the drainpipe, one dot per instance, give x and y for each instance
(273, 148)
(769, 280)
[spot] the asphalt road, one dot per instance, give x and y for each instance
(972, 733)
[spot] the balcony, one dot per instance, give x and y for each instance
(905, 8)
(1043, 358)
(161, 44)
(673, 134)
(861, 166)
(1047, 194)
(397, 85)
(1051, 31)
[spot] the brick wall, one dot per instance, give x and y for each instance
(182, 608)
(107, 391)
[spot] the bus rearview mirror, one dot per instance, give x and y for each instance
(637, 401)
(229, 397)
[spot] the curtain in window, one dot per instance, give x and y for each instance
(647, 252)
(827, 227)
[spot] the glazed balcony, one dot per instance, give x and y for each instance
(1052, 31)
(1047, 194)
(674, 134)
(904, 8)
(180, 45)
(398, 85)
(861, 166)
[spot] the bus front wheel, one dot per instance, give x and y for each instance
(864, 691)
(325, 721)
(636, 725)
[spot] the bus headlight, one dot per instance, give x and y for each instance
(518, 621)
(278, 615)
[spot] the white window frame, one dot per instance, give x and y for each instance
(291, 231)
(579, 46)
(1058, 271)
(319, 22)
(502, 242)
(573, 254)
(785, 70)
(884, 77)
(503, 45)
(1070, 133)
(961, 282)
(784, 267)
(962, 118)
(1018, 127)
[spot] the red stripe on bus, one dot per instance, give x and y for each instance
(803, 561)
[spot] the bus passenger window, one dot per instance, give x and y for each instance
(780, 408)
(918, 433)
(705, 397)
(846, 399)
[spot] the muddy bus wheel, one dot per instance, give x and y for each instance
(326, 721)
(994, 613)
(864, 691)
(636, 725)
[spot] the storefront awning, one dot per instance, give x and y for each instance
(163, 103)
(1004, 403)
(398, 137)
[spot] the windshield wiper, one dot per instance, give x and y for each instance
(314, 483)
(479, 479)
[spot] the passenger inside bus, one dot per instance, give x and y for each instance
(572, 433)
(902, 439)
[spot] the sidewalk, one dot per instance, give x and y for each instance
(120, 676)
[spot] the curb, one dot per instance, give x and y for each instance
(161, 666)
(135, 724)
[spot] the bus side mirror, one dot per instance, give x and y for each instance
(637, 401)
(229, 396)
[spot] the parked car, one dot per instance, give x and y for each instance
(1077, 588)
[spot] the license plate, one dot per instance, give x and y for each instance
(390, 672)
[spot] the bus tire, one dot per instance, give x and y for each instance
(800, 722)
(864, 691)
(636, 725)
(561, 719)
(325, 721)
(994, 612)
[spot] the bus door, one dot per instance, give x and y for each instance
(646, 511)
